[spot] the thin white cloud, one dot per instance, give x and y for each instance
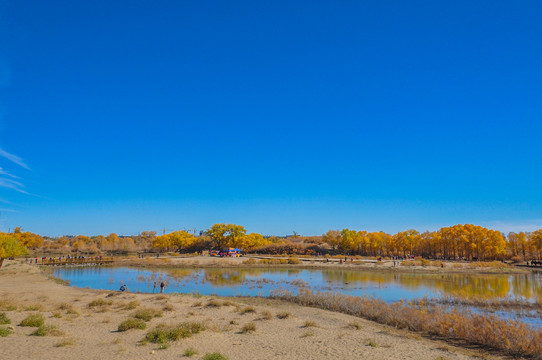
(4, 172)
(14, 158)
(12, 184)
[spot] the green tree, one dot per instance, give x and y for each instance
(9, 247)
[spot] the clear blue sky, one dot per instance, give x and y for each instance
(123, 116)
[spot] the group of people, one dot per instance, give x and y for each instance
(123, 287)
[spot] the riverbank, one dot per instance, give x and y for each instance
(85, 323)
(258, 261)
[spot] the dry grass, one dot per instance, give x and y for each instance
(283, 315)
(131, 305)
(309, 323)
(510, 336)
(47, 330)
(248, 328)
(266, 315)
(247, 310)
(4, 319)
(4, 331)
(65, 342)
(147, 314)
(99, 302)
(7, 305)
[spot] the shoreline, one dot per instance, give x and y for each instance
(306, 333)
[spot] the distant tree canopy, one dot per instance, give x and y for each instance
(10, 246)
(458, 241)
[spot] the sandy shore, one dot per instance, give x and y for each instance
(85, 332)
(315, 263)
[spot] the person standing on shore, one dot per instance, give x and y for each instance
(154, 287)
(162, 286)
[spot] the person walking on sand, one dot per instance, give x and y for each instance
(162, 286)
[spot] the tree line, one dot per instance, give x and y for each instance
(470, 242)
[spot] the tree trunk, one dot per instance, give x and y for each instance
(1, 262)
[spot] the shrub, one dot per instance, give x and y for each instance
(33, 320)
(132, 324)
(163, 333)
(266, 315)
(45, 330)
(65, 342)
(214, 356)
(189, 352)
(131, 305)
(33, 307)
(214, 303)
(147, 314)
(354, 325)
(248, 309)
(4, 319)
(372, 343)
(283, 315)
(99, 302)
(293, 260)
(4, 331)
(248, 328)
(309, 323)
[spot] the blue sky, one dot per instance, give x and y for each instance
(277, 115)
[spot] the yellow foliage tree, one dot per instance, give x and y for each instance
(10, 246)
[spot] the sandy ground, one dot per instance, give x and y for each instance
(320, 263)
(91, 332)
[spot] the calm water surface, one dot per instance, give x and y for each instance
(387, 286)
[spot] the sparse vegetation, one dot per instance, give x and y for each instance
(147, 314)
(65, 342)
(266, 315)
(33, 320)
(132, 324)
(131, 305)
(99, 302)
(4, 331)
(214, 303)
(354, 325)
(189, 352)
(372, 343)
(510, 336)
(309, 323)
(247, 309)
(47, 330)
(214, 356)
(164, 333)
(4, 319)
(248, 328)
(283, 315)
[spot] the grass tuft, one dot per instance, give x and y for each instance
(248, 328)
(46, 330)
(283, 315)
(163, 333)
(4, 331)
(248, 309)
(65, 342)
(266, 315)
(147, 314)
(214, 356)
(33, 320)
(189, 352)
(132, 324)
(99, 302)
(309, 323)
(4, 319)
